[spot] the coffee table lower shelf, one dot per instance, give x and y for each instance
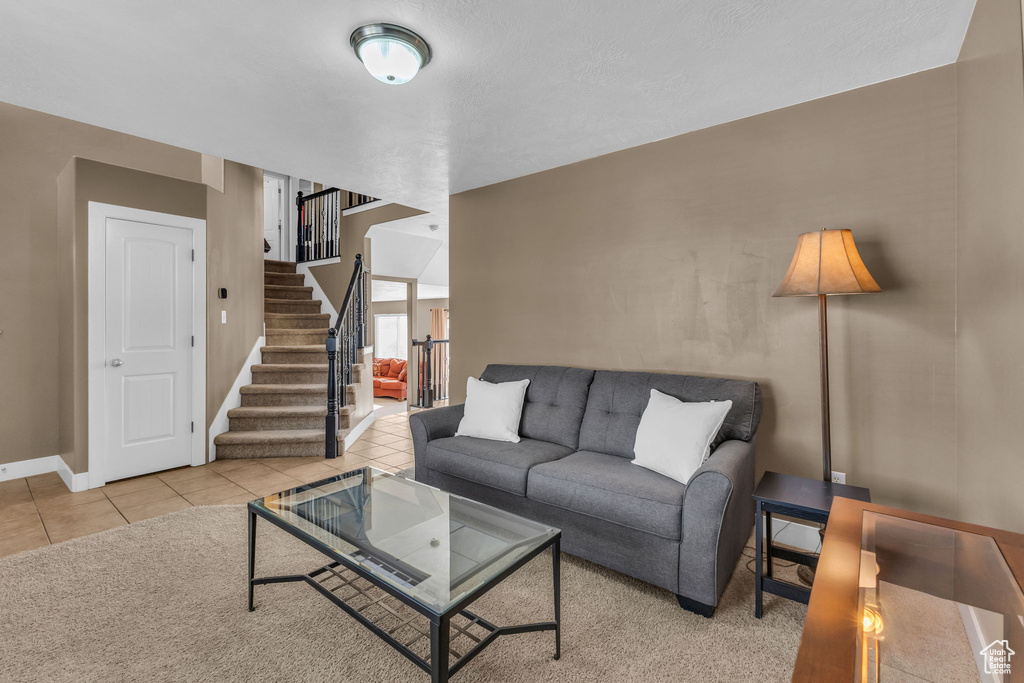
(443, 661)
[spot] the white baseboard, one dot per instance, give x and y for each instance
(233, 399)
(74, 482)
(45, 465)
(318, 293)
(358, 430)
(802, 536)
(29, 468)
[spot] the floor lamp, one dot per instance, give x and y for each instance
(826, 263)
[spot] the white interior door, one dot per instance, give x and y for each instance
(273, 215)
(148, 348)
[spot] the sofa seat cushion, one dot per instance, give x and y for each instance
(611, 488)
(376, 382)
(498, 464)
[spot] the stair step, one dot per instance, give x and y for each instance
(272, 266)
(296, 321)
(288, 368)
(284, 395)
(261, 418)
(289, 373)
(287, 292)
(283, 411)
(294, 355)
(297, 337)
(276, 443)
(271, 436)
(291, 279)
(291, 305)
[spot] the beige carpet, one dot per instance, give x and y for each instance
(164, 600)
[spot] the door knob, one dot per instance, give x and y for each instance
(116, 363)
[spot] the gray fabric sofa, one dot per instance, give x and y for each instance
(572, 470)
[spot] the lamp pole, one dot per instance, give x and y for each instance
(826, 431)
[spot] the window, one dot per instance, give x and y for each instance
(390, 339)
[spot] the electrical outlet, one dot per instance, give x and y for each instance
(838, 477)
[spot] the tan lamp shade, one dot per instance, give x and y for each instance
(826, 262)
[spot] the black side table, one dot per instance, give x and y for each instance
(809, 499)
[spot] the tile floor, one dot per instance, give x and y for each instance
(40, 510)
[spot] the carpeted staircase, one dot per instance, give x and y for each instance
(283, 410)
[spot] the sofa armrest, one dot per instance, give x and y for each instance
(718, 514)
(428, 425)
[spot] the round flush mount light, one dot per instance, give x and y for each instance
(392, 54)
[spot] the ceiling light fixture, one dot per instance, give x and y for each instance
(392, 54)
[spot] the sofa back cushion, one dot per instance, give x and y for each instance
(396, 367)
(618, 399)
(555, 400)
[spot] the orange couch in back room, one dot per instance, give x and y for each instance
(389, 378)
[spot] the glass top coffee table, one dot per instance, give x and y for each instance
(904, 596)
(407, 559)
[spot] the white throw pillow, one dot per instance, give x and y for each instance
(493, 410)
(674, 437)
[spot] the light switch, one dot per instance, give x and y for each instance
(223, 316)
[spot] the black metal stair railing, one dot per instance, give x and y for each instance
(432, 374)
(344, 340)
(319, 225)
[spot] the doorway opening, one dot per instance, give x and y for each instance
(393, 322)
(274, 216)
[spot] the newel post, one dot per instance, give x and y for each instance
(300, 250)
(331, 425)
(428, 373)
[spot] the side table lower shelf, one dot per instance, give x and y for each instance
(801, 498)
(765, 581)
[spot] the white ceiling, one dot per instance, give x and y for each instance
(399, 254)
(515, 87)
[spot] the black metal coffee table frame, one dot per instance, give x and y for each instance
(439, 667)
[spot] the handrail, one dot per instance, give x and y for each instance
(357, 272)
(350, 331)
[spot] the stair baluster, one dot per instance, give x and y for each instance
(319, 222)
(349, 333)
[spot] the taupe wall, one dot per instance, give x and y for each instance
(34, 149)
(42, 343)
(990, 249)
(107, 184)
(234, 259)
(664, 258)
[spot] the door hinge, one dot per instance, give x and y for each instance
(193, 254)
(193, 340)
(193, 427)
